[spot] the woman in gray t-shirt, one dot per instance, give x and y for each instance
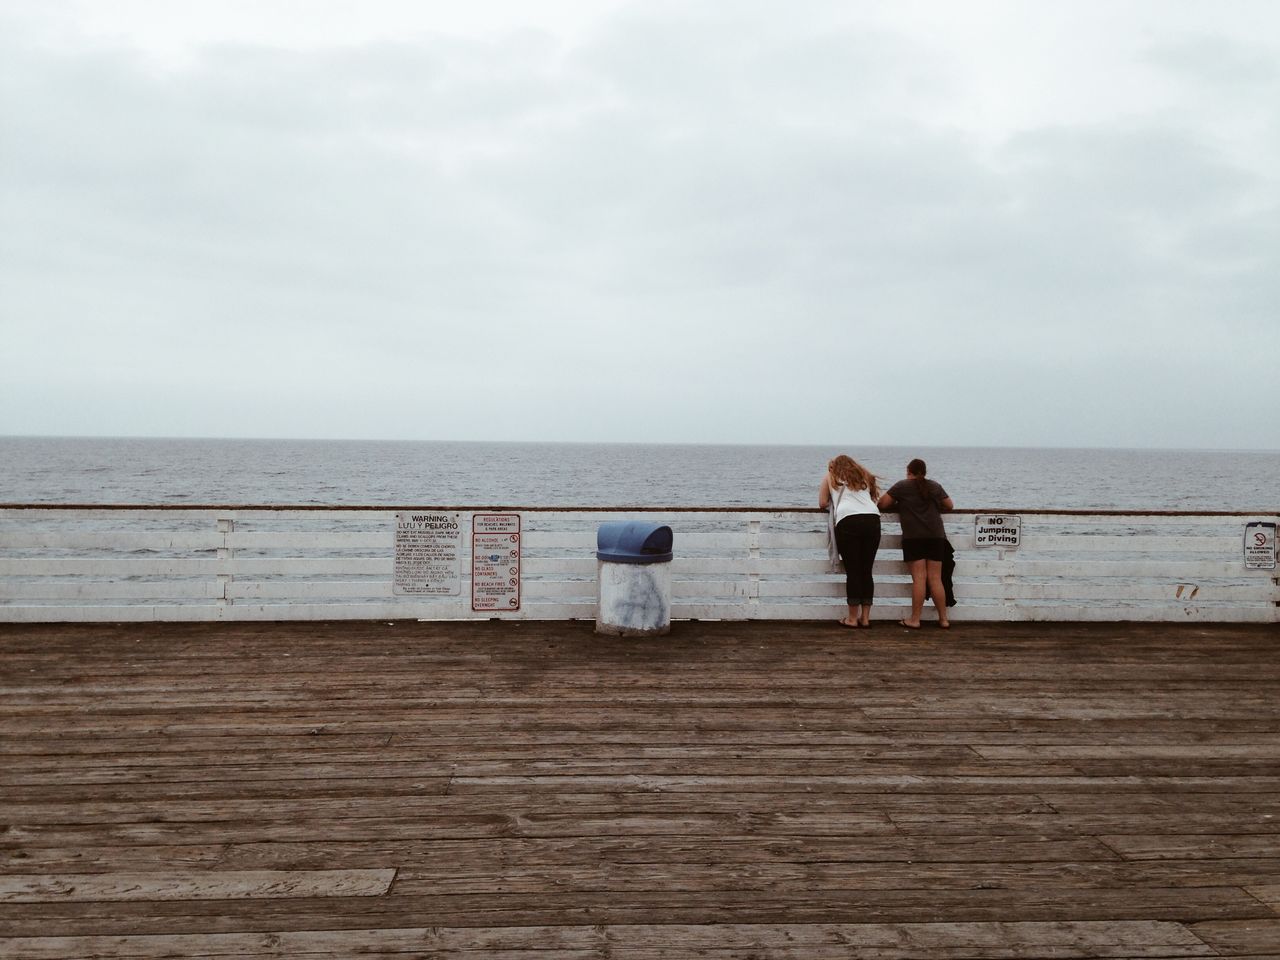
(920, 503)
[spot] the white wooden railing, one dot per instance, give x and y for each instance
(128, 563)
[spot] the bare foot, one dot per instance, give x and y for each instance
(910, 626)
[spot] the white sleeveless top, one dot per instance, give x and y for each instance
(852, 502)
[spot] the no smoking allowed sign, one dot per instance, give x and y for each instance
(1260, 545)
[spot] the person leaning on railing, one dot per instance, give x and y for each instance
(920, 503)
(849, 492)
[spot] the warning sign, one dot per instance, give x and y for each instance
(1001, 531)
(427, 555)
(495, 561)
(1260, 545)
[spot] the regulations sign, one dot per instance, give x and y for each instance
(495, 561)
(997, 530)
(1260, 545)
(427, 555)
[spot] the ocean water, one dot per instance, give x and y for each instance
(403, 473)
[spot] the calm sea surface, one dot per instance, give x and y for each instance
(147, 471)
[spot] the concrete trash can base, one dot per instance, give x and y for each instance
(633, 578)
(634, 599)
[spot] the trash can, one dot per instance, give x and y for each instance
(633, 577)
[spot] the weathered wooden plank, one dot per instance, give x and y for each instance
(1161, 803)
(631, 735)
(494, 855)
(1032, 700)
(209, 885)
(733, 729)
(524, 758)
(1240, 938)
(1268, 894)
(783, 875)
(495, 700)
(877, 941)
(1074, 643)
(130, 858)
(464, 772)
(500, 698)
(1186, 905)
(926, 663)
(1109, 824)
(463, 825)
(689, 786)
(374, 805)
(1203, 847)
(1106, 751)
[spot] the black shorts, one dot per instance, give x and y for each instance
(924, 548)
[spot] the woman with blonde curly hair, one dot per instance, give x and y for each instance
(850, 491)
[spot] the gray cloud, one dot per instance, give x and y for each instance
(764, 227)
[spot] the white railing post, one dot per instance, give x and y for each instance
(1007, 581)
(753, 575)
(226, 525)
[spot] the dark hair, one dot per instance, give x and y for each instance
(918, 470)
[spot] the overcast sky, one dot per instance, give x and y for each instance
(917, 223)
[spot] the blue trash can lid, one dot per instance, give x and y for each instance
(632, 541)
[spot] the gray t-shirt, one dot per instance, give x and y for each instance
(919, 515)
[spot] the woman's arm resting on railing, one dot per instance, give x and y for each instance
(824, 491)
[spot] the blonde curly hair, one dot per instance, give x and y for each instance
(851, 474)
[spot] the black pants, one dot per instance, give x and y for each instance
(858, 539)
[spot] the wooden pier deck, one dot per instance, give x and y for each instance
(738, 790)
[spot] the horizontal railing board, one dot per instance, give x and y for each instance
(1171, 569)
(538, 540)
(1004, 613)
(1090, 542)
(291, 611)
(130, 567)
(238, 590)
(586, 611)
(1105, 543)
(1093, 613)
(533, 566)
(307, 567)
(111, 590)
(360, 509)
(1191, 593)
(273, 540)
(110, 540)
(268, 513)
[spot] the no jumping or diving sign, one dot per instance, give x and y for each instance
(1003, 531)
